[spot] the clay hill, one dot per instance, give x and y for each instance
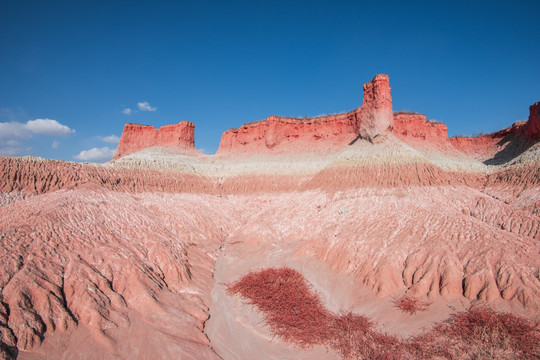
(353, 235)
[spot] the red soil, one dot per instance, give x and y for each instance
(296, 314)
(127, 259)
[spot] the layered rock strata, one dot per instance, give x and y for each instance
(532, 130)
(278, 135)
(135, 137)
(377, 119)
(131, 259)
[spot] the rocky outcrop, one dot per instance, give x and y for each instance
(279, 134)
(415, 126)
(373, 121)
(487, 146)
(377, 119)
(276, 135)
(532, 129)
(135, 137)
(131, 259)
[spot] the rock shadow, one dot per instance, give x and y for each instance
(358, 137)
(8, 352)
(515, 146)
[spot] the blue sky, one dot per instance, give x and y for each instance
(69, 69)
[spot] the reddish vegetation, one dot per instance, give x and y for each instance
(291, 309)
(295, 313)
(125, 259)
(179, 137)
(479, 333)
(410, 304)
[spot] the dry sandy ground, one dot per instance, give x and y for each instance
(110, 262)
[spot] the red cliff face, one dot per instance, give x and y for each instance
(320, 134)
(485, 146)
(532, 129)
(377, 118)
(373, 121)
(286, 135)
(415, 126)
(135, 137)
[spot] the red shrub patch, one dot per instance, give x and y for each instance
(354, 337)
(410, 305)
(482, 333)
(296, 314)
(289, 306)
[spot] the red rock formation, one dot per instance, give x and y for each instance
(532, 129)
(116, 261)
(413, 125)
(279, 134)
(486, 146)
(326, 134)
(135, 137)
(377, 118)
(319, 134)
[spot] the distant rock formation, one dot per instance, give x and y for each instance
(373, 121)
(416, 126)
(532, 129)
(135, 137)
(485, 146)
(377, 118)
(279, 134)
(131, 259)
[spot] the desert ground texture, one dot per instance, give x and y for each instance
(363, 235)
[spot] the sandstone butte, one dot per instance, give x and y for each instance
(132, 259)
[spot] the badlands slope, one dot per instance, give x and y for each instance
(132, 259)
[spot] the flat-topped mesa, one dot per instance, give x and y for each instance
(278, 135)
(178, 137)
(377, 118)
(414, 126)
(532, 128)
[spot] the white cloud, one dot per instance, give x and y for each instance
(145, 106)
(111, 139)
(55, 144)
(126, 111)
(48, 127)
(13, 129)
(96, 154)
(10, 148)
